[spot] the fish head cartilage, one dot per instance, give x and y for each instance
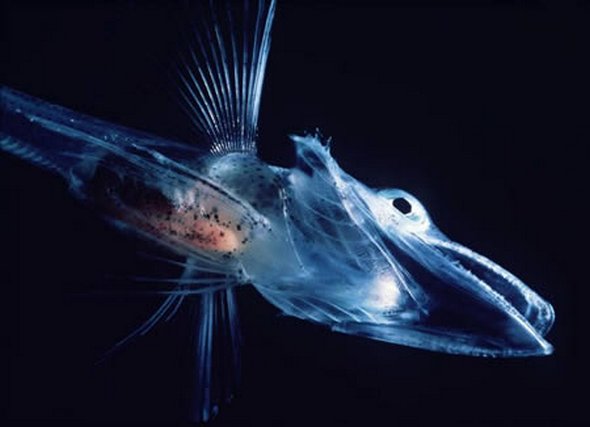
(325, 247)
(373, 257)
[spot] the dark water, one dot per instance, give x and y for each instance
(479, 109)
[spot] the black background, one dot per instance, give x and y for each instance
(480, 109)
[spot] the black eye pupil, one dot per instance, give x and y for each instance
(402, 205)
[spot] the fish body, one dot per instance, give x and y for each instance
(314, 241)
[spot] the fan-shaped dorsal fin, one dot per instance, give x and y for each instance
(222, 71)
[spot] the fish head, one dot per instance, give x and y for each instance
(373, 264)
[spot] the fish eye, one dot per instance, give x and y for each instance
(406, 208)
(402, 205)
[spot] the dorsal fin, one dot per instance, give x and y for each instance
(222, 73)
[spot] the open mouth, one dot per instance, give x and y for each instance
(423, 290)
(466, 303)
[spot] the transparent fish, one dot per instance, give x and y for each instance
(316, 243)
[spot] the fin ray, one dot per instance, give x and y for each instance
(220, 86)
(217, 359)
(173, 297)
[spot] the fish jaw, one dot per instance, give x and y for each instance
(369, 269)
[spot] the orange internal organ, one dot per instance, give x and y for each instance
(200, 218)
(205, 234)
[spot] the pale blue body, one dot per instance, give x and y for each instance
(315, 242)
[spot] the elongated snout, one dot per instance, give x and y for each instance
(538, 313)
(467, 304)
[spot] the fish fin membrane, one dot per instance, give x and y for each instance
(213, 313)
(196, 280)
(221, 74)
(217, 351)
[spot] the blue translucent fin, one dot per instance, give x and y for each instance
(216, 335)
(221, 75)
(217, 368)
(194, 281)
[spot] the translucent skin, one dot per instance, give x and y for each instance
(201, 226)
(314, 241)
(340, 253)
(343, 255)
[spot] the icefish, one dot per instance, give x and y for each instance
(315, 242)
